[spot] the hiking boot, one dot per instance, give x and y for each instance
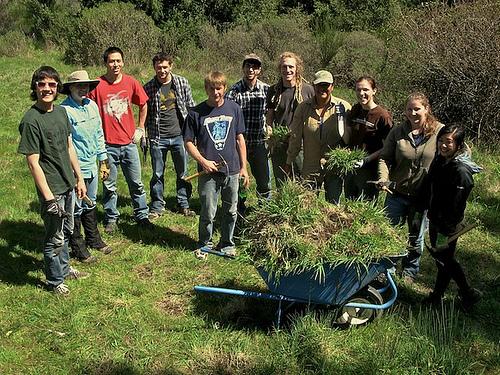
(88, 260)
(470, 298)
(154, 215)
(110, 227)
(186, 212)
(145, 224)
(74, 274)
(61, 289)
(105, 249)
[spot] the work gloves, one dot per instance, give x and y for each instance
(52, 208)
(138, 134)
(104, 169)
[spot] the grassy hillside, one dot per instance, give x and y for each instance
(138, 314)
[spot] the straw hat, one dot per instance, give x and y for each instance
(80, 76)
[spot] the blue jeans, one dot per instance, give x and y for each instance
(400, 209)
(127, 157)
(209, 186)
(258, 158)
(158, 160)
(57, 233)
(81, 205)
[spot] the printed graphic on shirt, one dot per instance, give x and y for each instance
(116, 105)
(218, 129)
(364, 122)
(167, 98)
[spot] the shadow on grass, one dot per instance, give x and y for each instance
(22, 238)
(171, 204)
(240, 312)
(158, 235)
(113, 367)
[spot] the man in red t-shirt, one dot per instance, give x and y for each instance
(114, 96)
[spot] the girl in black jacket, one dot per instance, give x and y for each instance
(444, 193)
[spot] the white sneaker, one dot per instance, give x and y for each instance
(61, 289)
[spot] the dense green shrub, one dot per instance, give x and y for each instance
(113, 24)
(268, 38)
(452, 54)
(353, 15)
(15, 43)
(359, 53)
(51, 21)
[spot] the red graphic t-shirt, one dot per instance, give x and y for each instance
(115, 107)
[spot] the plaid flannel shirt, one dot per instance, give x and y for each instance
(184, 101)
(253, 104)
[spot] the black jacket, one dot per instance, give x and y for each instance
(445, 191)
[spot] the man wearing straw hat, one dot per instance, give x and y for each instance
(88, 140)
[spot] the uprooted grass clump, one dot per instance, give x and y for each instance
(279, 136)
(296, 231)
(341, 161)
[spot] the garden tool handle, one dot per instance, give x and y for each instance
(201, 173)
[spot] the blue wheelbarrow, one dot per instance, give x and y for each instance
(355, 291)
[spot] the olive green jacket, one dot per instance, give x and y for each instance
(404, 163)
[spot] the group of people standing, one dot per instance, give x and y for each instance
(94, 132)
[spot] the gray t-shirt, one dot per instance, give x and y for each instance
(169, 119)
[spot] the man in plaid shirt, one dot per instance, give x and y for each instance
(169, 99)
(250, 93)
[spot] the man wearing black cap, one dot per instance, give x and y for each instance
(250, 93)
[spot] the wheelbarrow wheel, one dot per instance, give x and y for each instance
(355, 316)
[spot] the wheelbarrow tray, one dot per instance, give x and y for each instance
(338, 284)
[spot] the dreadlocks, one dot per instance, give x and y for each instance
(275, 100)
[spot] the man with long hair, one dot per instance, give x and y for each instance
(282, 101)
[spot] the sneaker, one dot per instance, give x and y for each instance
(110, 227)
(470, 298)
(88, 260)
(105, 249)
(61, 289)
(186, 212)
(154, 215)
(200, 254)
(74, 274)
(228, 250)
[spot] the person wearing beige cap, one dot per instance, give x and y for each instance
(88, 139)
(319, 125)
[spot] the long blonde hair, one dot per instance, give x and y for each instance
(299, 80)
(431, 123)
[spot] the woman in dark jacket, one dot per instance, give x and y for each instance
(444, 193)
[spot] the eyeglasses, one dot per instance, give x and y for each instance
(252, 66)
(42, 85)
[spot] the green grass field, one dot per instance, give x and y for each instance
(138, 314)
